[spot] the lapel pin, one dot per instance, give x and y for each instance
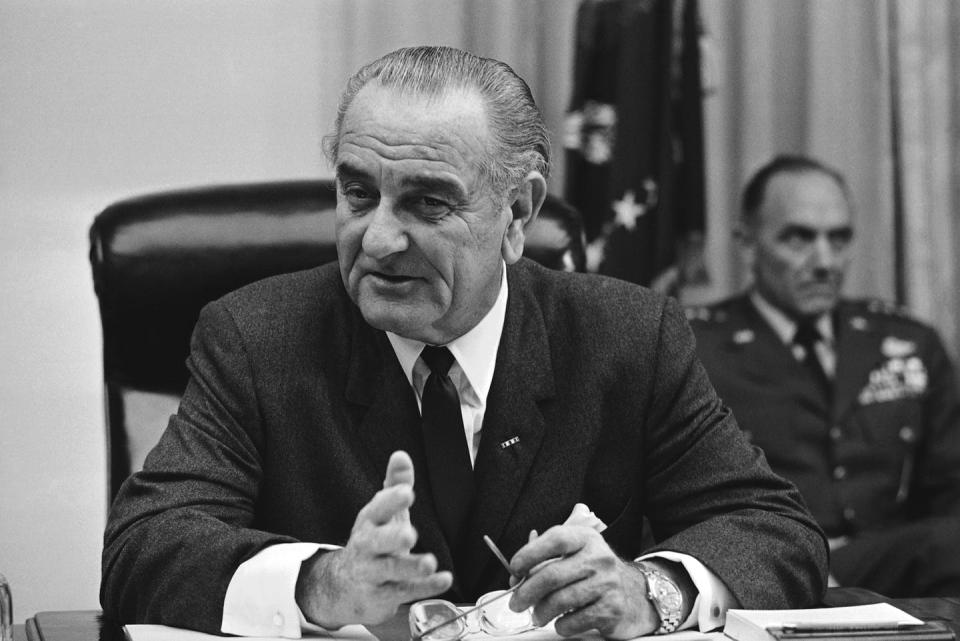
(510, 441)
(743, 336)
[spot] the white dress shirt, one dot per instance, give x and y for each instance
(785, 328)
(260, 600)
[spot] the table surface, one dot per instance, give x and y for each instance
(90, 625)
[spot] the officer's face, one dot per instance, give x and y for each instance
(420, 235)
(800, 246)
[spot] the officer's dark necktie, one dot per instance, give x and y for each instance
(448, 459)
(806, 337)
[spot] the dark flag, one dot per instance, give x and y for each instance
(634, 139)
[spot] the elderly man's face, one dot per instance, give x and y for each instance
(419, 235)
(800, 247)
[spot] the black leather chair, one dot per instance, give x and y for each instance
(157, 259)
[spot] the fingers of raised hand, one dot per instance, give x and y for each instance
(371, 588)
(390, 571)
(387, 504)
(399, 470)
(413, 587)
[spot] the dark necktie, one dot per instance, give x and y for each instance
(448, 459)
(806, 337)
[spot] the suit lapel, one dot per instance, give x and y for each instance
(389, 421)
(764, 353)
(858, 352)
(513, 429)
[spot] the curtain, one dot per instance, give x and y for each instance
(870, 87)
(925, 58)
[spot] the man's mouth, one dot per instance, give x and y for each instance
(392, 278)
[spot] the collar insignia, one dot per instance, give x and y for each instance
(859, 323)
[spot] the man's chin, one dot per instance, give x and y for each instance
(817, 305)
(394, 318)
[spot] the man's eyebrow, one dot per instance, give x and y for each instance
(346, 170)
(795, 228)
(435, 184)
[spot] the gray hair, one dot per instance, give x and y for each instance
(520, 140)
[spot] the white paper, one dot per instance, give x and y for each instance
(148, 632)
(850, 615)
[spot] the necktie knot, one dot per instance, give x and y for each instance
(807, 334)
(438, 359)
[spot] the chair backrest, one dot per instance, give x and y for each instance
(159, 258)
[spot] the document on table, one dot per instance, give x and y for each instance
(145, 632)
(149, 632)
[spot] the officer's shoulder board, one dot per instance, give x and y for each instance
(883, 310)
(714, 314)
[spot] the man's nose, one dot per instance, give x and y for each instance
(824, 256)
(385, 233)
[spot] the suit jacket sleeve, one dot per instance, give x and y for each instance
(713, 496)
(168, 554)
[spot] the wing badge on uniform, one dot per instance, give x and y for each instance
(895, 379)
(894, 347)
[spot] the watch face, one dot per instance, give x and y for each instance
(666, 593)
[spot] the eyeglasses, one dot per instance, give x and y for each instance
(439, 620)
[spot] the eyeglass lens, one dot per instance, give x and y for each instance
(492, 616)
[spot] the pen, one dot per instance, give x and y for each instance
(497, 553)
(864, 626)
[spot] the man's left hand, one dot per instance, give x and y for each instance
(585, 584)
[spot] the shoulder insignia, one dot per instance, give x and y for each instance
(883, 307)
(698, 313)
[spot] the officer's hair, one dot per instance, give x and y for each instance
(520, 141)
(756, 189)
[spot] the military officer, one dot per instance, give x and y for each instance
(854, 401)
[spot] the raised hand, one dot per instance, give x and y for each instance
(367, 580)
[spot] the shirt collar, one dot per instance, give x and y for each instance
(475, 351)
(784, 326)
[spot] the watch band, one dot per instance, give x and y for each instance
(666, 597)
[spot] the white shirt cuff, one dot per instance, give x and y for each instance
(713, 599)
(261, 598)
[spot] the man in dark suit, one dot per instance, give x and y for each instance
(281, 495)
(852, 400)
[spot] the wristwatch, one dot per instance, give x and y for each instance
(665, 596)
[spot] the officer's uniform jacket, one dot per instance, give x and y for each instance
(885, 449)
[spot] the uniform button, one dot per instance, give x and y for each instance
(908, 435)
(835, 433)
(849, 513)
(278, 620)
(839, 472)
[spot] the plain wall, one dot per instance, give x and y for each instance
(98, 101)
